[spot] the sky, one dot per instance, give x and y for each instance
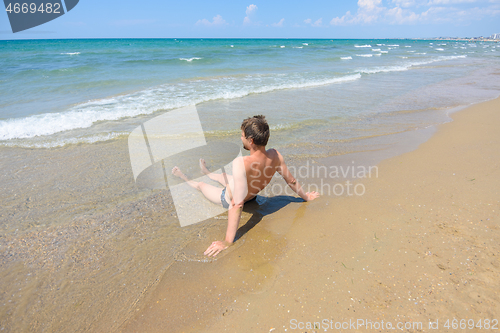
(269, 19)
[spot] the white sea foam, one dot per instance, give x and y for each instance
(394, 45)
(362, 45)
(232, 45)
(384, 51)
(282, 46)
(383, 69)
(439, 49)
(375, 49)
(346, 58)
(406, 66)
(298, 47)
(148, 101)
(305, 44)
(48, 143)
(364, 55)
(190, 59)
(407, 45)
(71, 53)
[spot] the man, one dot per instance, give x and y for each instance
(250, 175)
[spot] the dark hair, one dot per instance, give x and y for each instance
(256, 128)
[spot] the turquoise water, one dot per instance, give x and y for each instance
(55, 92)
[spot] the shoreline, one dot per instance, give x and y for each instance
(414, 248)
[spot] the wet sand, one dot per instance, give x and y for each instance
(79, 242)
(421, 245)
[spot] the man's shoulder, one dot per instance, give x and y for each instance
(272, 152)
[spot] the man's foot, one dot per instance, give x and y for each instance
(177, 172)
(203, 167)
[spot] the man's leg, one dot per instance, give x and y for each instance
(214, 176)
(210, 192)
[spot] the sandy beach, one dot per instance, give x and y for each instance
(419, 249)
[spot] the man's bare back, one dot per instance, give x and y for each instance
(259, 169)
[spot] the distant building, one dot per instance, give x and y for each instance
(495, 36)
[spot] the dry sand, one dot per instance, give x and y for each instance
(421, 245)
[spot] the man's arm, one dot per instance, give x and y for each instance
(236, 206)
(294, 183)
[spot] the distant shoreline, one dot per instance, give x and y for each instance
(462, 39)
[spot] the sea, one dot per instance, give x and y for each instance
(81, 244)
(59, 92)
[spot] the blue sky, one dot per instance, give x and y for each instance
(255, 18)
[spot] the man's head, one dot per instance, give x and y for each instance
(256, 129)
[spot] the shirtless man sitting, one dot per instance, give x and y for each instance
(250, 175)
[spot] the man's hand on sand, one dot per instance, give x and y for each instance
(215, 248)
(312, 195)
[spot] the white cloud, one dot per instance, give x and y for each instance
(317, 23)
(216, 21)
(397, 15)
(344, 20)
(404, 3)
(279, 24)
(419, 11)
(369, 11)
(372, 11)
(250, 11)
(449, 2)
(368, 5)
(456, 15)
(428, 3)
